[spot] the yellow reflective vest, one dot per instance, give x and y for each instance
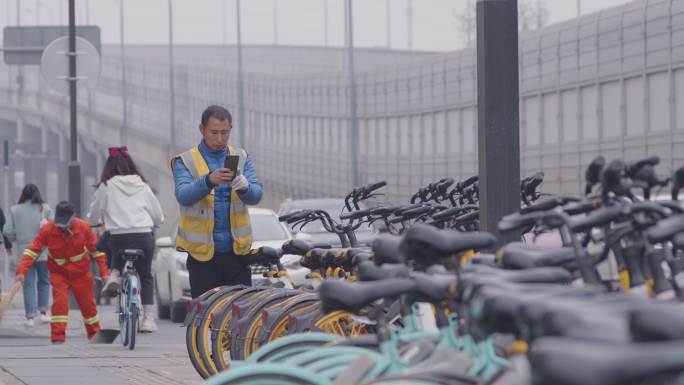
(196, 222)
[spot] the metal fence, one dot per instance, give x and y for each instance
(610, 82)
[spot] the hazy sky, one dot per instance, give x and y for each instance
(300, 22)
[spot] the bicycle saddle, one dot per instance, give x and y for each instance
(421, 240)
(563, 361)
(432, 288)
(351, 297)
(603, 317)
(263, 256)
(131, 254)
(666, 229)
(300, 247)
(532, 275)
(519, 256)
(312, 258)
(659, 322)
(386, 249)
(368, 271)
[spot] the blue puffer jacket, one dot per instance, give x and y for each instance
(190, 191)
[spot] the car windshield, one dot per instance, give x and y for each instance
(317, 226)
(267, 228)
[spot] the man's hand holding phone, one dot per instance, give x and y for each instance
(221, 176)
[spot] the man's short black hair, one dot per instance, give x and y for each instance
(216, 112)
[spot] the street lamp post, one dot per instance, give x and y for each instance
(353, 120)
(325, 22)
(240, 80)
(172, 80)
(409, 26)
(124, 96)
(275, 22)
(388, 23)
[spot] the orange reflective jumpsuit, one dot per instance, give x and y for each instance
(69, 254)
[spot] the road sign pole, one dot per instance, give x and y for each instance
(497, 100)
(74, 166)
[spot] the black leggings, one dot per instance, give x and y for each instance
(144, 242)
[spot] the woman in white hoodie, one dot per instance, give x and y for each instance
(129, 210)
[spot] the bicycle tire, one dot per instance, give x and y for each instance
(220, 337)
(191, 330)
(290, 345)
(205, 329)
(248, 326)
(267, 374)
(132, 327)
(276, 325)
(255, 332)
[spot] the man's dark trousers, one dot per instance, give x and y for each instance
(224, 269)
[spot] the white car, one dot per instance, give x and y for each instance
(172, 284)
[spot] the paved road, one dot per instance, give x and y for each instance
(28, 358)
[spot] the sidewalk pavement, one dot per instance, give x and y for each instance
(28, 358)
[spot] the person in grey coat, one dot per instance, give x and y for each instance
(23, 222)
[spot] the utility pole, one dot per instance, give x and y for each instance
(172, 77)
(275, 22)
(74, 165)
(388, 23)
(498, 113)
(353, 119)
(124, 96)
(241, 86)
(409, 25)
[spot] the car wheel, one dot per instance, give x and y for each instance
(178, 312)
(163, 311)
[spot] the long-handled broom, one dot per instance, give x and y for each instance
(6, 299)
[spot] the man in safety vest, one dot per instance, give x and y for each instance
(214, 226)
(70, 243)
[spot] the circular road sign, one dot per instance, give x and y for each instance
(54, 64)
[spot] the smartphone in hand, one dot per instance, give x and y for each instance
(231, 163)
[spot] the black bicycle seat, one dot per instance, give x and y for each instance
(312, 258)
(386, 249)
(131, 254)
(531, 275)
(666, 229)
(659, 322)
(368, 271)
(421, 239)
(432, 288)
(263, 256)
(519, 256)
(563, 361)
(300, 247)
(353, 296)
